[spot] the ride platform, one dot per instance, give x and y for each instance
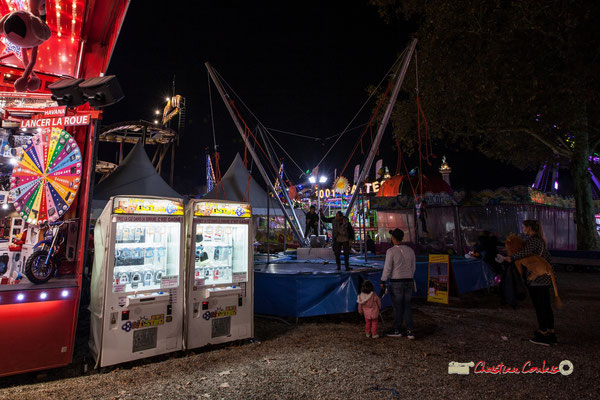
(306, 288)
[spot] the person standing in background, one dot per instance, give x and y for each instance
(342, 234)
(400, 267)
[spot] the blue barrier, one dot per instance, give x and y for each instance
(310, 288)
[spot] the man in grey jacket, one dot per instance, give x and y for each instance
(400, 266)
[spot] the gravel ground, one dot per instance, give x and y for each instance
(330, 358)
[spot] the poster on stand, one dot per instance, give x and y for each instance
(438, 278)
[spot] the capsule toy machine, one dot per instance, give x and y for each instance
(219, 298)
(137, 280)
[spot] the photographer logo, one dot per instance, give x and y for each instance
(565, 367)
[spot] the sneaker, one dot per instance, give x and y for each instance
(394, 334)
(367, 334)
(376, 336)
(410, 335)
(542, 340)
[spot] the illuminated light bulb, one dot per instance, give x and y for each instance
(44, 295)
(20, 297)
(5, 206)
(59, 34)
(64, 293)
(72, 21)
(63, 58)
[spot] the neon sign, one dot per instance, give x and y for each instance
(56, 122)
(368, 188)
(131, 205)
(209, 209)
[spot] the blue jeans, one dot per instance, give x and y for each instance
(401, 294)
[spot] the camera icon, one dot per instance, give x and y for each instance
(460, 368)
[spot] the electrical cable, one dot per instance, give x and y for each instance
(287, 154)
(364, 104)
(295, 134)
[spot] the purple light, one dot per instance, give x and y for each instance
(43, 295)
(20, 297)
(555, 185)
(64, 293)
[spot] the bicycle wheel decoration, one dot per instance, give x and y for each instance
(46, 179)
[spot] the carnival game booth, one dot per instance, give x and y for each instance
(502, 212)
(50, 143)
(238, 185)
(429, 221)
(455, 222)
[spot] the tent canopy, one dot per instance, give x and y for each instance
(134, 176)
(238, 185)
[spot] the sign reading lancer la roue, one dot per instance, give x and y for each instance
(83, 119)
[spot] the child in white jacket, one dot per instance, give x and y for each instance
(369, 305)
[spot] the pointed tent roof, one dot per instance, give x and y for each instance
(134, 176)
(234, 186)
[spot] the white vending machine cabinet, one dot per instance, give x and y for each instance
(220, 260)
(137, 280)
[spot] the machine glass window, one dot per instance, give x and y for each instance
(221, 253)
(146, 256)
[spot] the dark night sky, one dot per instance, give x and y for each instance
(300, 66)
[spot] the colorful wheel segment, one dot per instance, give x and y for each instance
(46, 179)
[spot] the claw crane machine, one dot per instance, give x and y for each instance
(220, 261)
(137, 279)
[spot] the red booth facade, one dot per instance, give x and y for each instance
(38, 322)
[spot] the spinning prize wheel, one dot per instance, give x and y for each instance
(45, 180)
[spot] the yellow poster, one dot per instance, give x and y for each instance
(438, 278)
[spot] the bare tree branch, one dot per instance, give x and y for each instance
(551, 146)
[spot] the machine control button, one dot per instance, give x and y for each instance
(240, 301)
(205, 305)
(124, 315)
(169, 309)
